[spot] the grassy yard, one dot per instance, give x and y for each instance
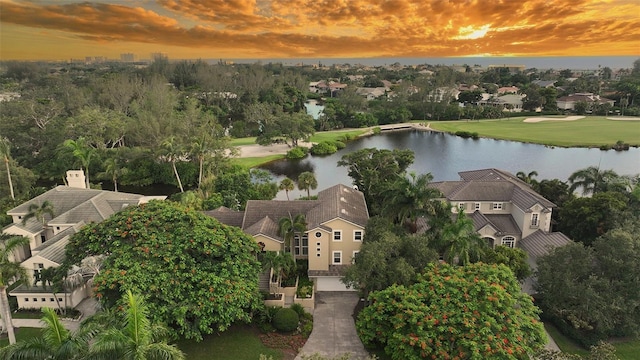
(625, 350)
(243, 141)
(335, 135)
(22, 334)
(251, 162)
(587, 132)
(239, 342)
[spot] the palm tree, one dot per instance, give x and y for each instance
(5, 152)
(462, 244)
(307, 181)
(173, 153)
(281, 264)
(9, 271)
(83, 152)
(113, 169)
(410, 198)
(289, 227)
(55, 343)
(527, 178)
(138, 339)
(287, 185)
(38, 213)
(199, 150)
(592, 180)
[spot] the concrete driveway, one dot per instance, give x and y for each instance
(334, 330)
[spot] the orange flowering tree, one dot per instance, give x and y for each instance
(475, 311)
(197, 275)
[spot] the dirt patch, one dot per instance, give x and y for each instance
(540, 119)
(262, 151)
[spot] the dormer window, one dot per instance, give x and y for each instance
(497, 206)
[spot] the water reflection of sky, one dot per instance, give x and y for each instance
(445, 155)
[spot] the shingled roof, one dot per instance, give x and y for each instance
(262, 216)
(74, 205)
(491, 185)
(540, 243)
(502, 223)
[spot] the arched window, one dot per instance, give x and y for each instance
(509, 241)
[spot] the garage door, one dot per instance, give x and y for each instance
(330, 284)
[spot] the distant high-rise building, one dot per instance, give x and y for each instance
(159, 56)
(127, 57)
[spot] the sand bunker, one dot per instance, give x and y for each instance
(624, 118)
(539, 119)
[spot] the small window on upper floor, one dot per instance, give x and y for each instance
(357, 235)
(462, 206)
(497, 206)
(337, 235)
(337, 257)
(535, 220)
(477, 206)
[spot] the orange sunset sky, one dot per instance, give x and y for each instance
(64, 29)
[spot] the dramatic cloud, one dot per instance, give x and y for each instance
(329, 28)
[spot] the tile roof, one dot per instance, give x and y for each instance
(540, 243)
(491, 185)
(56, 251)
(504, 224)
(334, 270)
(262, 216)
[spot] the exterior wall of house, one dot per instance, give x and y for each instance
(58, 228)
(319, 256)
(270, 244)
(25, 253)
(32, 264)
(520, 218)
(39, 299)
(347, 245)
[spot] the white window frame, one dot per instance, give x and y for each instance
(333, 257)
(361, 235)
(535, 220)
(462, 206)
(498, 206)
(508, 241)
(476, 206)
(338, 233)
(353, 256)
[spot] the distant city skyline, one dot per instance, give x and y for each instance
(268, 29)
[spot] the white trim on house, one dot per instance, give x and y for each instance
(333, 257)
(339, 235)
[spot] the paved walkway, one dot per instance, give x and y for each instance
(87, 307)
(334, 330)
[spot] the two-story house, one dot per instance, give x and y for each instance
(72, 207)
(335, 225)
(505, 211)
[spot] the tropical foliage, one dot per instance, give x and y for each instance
(9, 271)
(200, 276)
(476, 311)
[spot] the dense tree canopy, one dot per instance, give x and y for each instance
(594, 292)
(476, 311)
(200, 276)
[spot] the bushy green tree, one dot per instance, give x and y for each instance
(476, 311)
(200, 275)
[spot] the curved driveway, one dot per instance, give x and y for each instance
(334, 330)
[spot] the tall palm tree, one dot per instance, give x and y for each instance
(137, 339)
(38, 212)
(199, 150)
(307, 181)
(592, 180)
(462, 244)
(287, 185)
(172, 152)
(113, 169)
(9, 271)
(528, 178)
(5, 152)
(83, 152)
(410, 198)
(289, 227)
(282, 264)
(55, 343)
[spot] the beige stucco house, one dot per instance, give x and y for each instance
(73, 206)
(505, 211)
(335, 229)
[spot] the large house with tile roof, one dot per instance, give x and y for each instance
(505, 211)
(73, 207)
(335, 229)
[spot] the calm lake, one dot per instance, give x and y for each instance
(445, 155)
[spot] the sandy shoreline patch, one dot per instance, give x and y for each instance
(263, 151)
(624, 118)
(539, 119)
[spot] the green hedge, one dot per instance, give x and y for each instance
(286, 320)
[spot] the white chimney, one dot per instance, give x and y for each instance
(76, 179)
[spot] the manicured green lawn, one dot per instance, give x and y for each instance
(251, 162)
(625, 350)
(22, 334)
(239, 342)
(335, 135)
(243, 141)
(590, 131)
